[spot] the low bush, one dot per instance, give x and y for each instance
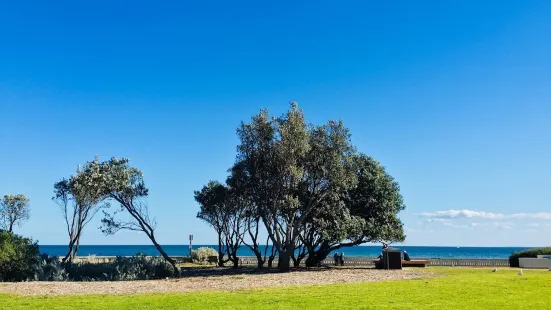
(20, 261)
(137, 267)
(201, 255)
(19, 257)
(50, 269)
(513, 259)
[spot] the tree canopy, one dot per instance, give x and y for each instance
(310, 188)
(14, 210)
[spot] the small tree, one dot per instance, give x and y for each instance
(210, 199)
(222, 209)
(78, 207)
(14, 210)
(117, 181)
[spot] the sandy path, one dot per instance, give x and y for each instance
(214, 279)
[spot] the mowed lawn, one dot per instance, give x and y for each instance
(451, 288)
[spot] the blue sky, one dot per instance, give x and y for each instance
(453, 97)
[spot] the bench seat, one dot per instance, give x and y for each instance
(415, 263)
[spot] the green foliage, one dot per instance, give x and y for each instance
(202, 254)
(288, 167)
(50, 269)
(138, 267)
(211, 199)
(513, 259)
(115, 180)
(18, 257)
(78, 207)
(377, 200)
(141, 268)
(226, 212)
(14, 210)
(311, 188)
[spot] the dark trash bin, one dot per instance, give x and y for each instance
(392, 259)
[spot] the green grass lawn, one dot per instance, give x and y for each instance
(452, 288)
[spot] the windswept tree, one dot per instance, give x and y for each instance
(14, 210)
(291, 168)
(224, 211)
(115, 180)
(369, 213)
(78, 207)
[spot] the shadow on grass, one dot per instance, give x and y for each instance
(201, 271)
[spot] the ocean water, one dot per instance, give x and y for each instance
(358, 251)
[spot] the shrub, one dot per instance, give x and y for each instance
(141, 267)
(50, 269)
(137, 267)
(86, 271)
(18, 257)
(201, 255)
(513, 259)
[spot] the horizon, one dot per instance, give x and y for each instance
(453, 99)
(365, 244)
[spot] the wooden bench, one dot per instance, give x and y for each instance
(212, 259)
(415, 263)
(405, 263)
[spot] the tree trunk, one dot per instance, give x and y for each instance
(271, 261)
(10, 229)
(259, 259)
(77, 245)
(163, 253)
(69, 254)
(220, 259)
(315, 258)
(284, 261)
(220, 251)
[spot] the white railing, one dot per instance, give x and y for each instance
(348, 261)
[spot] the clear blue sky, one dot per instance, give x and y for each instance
(453, 97)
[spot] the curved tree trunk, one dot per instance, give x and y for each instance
(315, 258)
(163, 253)
(69, 254)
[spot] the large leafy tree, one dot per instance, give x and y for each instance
(370, 213)
(14, 210)
(291, 167)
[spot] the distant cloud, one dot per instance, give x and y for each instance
(503, 225)
(432, 220)
(536, 225)
(458, 214)
(424, 230)
(498, 225)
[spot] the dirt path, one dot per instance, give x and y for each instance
(214, 279)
